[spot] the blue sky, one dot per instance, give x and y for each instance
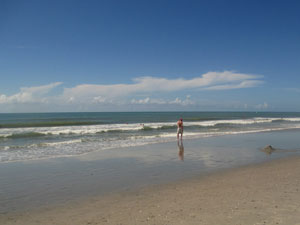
(149, 55)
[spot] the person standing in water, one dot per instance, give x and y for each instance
(179, 128)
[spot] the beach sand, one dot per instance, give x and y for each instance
(265, 193)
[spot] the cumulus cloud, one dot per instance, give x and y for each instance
(178, 101)
(30, 94)
(209, 81)
(262, 106)
(184, 102)
(99, 99)
(141, 101)
(243, 84)
(93, 95)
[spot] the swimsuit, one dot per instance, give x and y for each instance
(179, 130)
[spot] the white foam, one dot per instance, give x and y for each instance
(93, 129)
(292, 119)
(70, 142)
(5, 148)
(78, 147)
(76, 140)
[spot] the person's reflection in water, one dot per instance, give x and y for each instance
(180, 150)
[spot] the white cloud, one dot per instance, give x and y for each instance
(262, 106)
(178, 101)
(209, 81)
(184, 102)
(30, 94)
(142, 101)
(91, 96)
(99, 99)
(243, 84)
(148, 101)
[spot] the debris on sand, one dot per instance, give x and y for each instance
(268, 149)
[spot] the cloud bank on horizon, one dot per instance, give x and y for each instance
(89, 97)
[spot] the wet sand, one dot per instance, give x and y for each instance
(266, 193)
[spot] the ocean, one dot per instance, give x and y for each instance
(31, 136)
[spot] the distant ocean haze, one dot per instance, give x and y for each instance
(31, 136)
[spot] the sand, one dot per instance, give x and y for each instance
(265, 193)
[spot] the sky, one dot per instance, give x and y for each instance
(149, 55)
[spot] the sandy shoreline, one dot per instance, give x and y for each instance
(266, 193)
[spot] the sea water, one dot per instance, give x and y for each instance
(30, 136)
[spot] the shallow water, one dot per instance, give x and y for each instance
(37, 183)
(34, 136)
